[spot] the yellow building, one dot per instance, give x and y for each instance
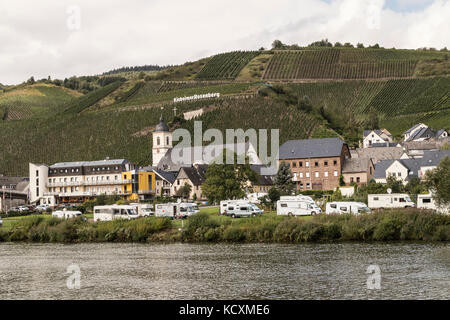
(141, 185)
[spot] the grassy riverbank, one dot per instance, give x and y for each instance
(207, 226)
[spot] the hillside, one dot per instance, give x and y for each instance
(341, 87)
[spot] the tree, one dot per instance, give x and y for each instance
(31, 80)
(395, 185)
(373, 121)
(277, 44)
(283, 180)
(360, 45)
(305, 104)
(274, 195)
(341, 181)
(415, 186)
(227, 181)
(184, 191)
(438, 182)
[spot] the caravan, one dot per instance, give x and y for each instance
(113, 212)
(300, 197)
(296, 207)
(239, 208)
(346, 207)
(144, 209)
(394, 200)
(170, 210)
(426, 201)
(189, 208)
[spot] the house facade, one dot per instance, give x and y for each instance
(315, 163)
(421, 132)
(358, 171)
(194, 176)
(376, 137)
(78, 181)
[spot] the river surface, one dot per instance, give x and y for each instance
(222, 271)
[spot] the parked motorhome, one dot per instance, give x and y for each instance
(295, 208)
(394, 200)
(113, 212)
(189, 208)
(144, 209)
(171, 210)
(346, 207)
(300, 197)
(239, 208)
(426, 201)
(66, 214)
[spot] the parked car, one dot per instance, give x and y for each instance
(66, 214)
(22, 209)
(42, 207)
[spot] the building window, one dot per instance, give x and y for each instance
(317, 174)
(335, 173)
(335, 162)
(358, 179)
(307, 163)
(351, 179)
(300, 164)
(158, 141)
(167, 140)
(294, 164)
(399, 174)
(307, 174)
(308, 185)
(316, 163)
(326, 173)
(325, 163)
(301, 174)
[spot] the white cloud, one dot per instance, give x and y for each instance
(35, 39)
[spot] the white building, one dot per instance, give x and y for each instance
(162, 141)
(376, 137)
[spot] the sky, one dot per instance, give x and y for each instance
(80, 37)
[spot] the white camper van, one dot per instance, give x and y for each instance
(426, 201)
(171, 210)
(65, 214)
(346, 207)
(239, 208)
(113, 212)
(394, 200)
(144, 209)
(188, 208)
(296, 207)
(300, 197)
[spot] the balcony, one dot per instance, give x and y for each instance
(85, 194)
(146, 191)
(88, 183)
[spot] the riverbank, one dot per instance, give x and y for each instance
(388, 225)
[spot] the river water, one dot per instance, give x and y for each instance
(222, 271)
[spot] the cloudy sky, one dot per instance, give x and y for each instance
(80, 37)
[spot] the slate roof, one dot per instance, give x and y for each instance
(263, 180)
(430, 158)
(311, 148)
(167, 175)
(161, 126)
(379, 153)
(89, 163)
(197, 174)
(384, 144)
(166, 163)
(367, 132)
(412, 128)
(356, 165)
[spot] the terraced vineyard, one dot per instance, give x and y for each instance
(178, 85)
(335, 64)
(34, 101)
(226, 65)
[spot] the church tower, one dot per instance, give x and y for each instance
(162, 141)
